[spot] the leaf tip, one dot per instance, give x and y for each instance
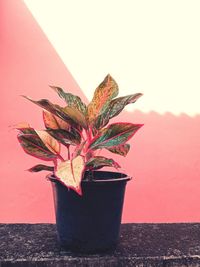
(26, 97)
(23, 96)
(79, 191)
(139, 95)
(109, 77)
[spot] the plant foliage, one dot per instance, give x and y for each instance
(82, 129)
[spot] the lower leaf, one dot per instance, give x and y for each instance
(41, 167)
(100, 162)
(70, 173)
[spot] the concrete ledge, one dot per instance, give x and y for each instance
(27, 245)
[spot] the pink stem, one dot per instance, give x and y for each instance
(55, 164)
(68, 152)
(60, 157)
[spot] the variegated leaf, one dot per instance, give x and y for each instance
(115, 134)
(76, 116)
(41, 167)
(120, 149)
(114, 107)
(101, 121)
(26, 129)
(107, 90)
(100, 162)
(65, 137)
(117, 105)
(71, 100)
(53, 122)
(51, 143)
(78, 149)
(37, 143)
(55, 110)
(33, 145)
(70, 173)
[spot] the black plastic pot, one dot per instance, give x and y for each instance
(90, 223)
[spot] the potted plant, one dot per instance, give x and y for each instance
(88, 202)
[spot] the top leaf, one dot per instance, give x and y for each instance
(107, 90)
(114, 108)
(118, 104)
(70, 99)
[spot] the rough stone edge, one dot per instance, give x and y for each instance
(93, 258)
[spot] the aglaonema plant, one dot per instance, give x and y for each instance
(82, 129)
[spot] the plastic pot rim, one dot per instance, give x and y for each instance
(51, 177)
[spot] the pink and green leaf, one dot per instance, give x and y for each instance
(33, 145)
(100, 162)
(41, 167)
(38, 143)
(70, 173)
(65, 137)
(107, 90)
(101, 121)
(54, 122)
(115, 134)
(61, 130)
(70, 99)
(117, 105)
(56, 110)
(50, 142)
(114, 107)
(25, 128)
(120, 149)
(78, 149)
(76, 116)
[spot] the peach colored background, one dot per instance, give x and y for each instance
(165, 153)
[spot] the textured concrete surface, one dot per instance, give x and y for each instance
(25, 245)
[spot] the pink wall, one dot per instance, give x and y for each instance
(165, 153)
